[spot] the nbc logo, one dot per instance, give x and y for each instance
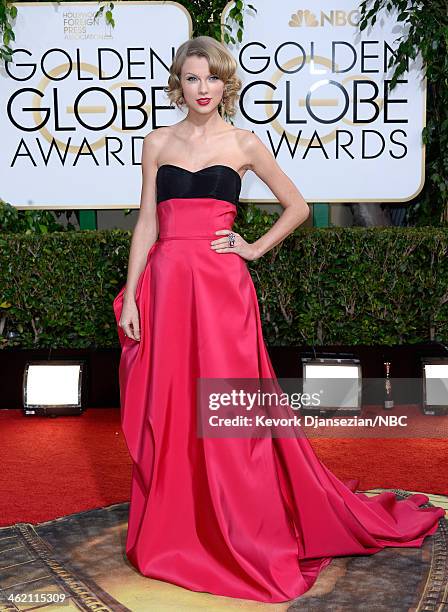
(306, 18)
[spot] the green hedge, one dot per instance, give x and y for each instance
(320, 286)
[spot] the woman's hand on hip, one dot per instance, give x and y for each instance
(240, 246)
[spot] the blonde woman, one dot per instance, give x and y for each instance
(247, 517)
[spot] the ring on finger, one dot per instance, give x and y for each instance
(231, 238)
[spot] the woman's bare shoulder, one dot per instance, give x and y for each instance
(245, 145)
(240, 133)
(246, 140)
(157, 140)
(159, 134)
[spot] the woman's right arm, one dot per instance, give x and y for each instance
(143, 237)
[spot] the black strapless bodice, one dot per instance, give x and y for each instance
(217, 181)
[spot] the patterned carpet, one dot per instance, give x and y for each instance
(80, 557)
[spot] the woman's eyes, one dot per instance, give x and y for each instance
(212, 77)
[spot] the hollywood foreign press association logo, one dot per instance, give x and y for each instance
(84, 25)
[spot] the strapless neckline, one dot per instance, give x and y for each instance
(193, 172)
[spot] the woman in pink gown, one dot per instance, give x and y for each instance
(252, 518)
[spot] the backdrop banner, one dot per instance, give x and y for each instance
(316, 91)
(80, 97)
(77, 102)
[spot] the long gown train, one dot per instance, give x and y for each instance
(253, 518)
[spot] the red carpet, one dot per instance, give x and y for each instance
(55, 467)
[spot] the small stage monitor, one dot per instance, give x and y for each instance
(337, 382)
(435, 385)
(53, 387)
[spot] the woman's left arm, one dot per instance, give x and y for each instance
(296, 210)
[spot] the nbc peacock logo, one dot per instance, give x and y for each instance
(301, 18)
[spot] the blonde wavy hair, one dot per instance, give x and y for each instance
(221, 63)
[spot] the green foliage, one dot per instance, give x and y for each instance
(426, 32)
(16, 221)
(108, 14)
(318, 287)
(8, 13)
(56, 288)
